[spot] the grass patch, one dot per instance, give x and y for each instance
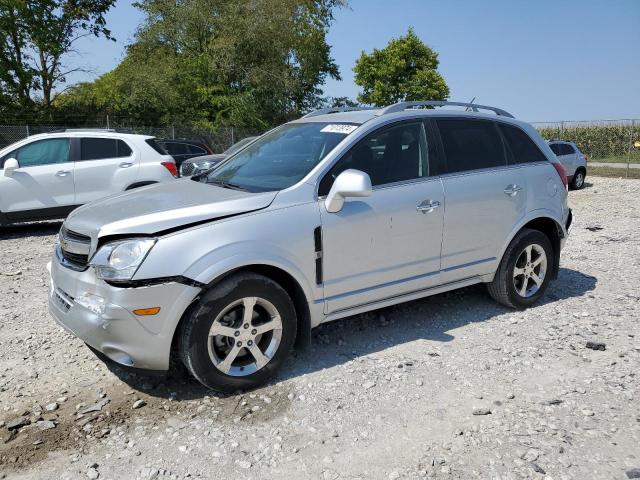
(635, 158)
(614, 172)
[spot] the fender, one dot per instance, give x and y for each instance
(237, 255)
(223, 261)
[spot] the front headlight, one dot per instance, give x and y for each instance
(119, 260)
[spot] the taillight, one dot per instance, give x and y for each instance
(562, 172)
(171, 166)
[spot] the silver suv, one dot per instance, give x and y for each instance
(573, 161)
(328, 216)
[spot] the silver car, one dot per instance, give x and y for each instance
(337, 213)
(573, 161)
(197, 165)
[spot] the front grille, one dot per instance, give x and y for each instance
(79, 260)
(74, 248)
(187, 168)
(71, 235)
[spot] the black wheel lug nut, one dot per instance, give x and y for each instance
(246, 325)
(239, 344)
(254, 331)
(237, 334)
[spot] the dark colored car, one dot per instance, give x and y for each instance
(181, 149)
(200, 164)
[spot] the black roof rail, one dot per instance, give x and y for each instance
(325, 111)
(115, 130)
(402, 106)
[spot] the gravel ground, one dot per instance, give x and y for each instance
(453, 386)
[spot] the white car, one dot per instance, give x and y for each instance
(46, 176)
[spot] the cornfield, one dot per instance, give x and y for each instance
(602, 141)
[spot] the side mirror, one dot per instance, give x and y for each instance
(10, 166)
(350, 183)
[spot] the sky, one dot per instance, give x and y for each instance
(541, 60)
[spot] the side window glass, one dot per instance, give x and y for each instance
(174, 148)
(195, 150)
(522, 148)
(392, 154)
(470, 144)
(567, 149)
(98, 148)
(123, 150)
(42, 152)
(555, 148)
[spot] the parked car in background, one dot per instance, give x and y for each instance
(573, 161)
(198, 165)
(46, 176)
(181, 149)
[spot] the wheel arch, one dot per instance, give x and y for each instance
(545, 223)
(140, 184)
(279, 275)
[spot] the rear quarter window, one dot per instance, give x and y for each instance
(521, 149)
(555, 148)
(156, 146)
(471, 144)
(566, 149)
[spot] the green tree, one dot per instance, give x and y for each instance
(35, 37)
(405, 70)
(246, 63)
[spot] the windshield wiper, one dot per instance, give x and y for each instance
(223, 184)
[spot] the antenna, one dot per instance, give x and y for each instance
(468, 108)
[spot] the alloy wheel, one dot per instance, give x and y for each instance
(530, 270)
(245, 336)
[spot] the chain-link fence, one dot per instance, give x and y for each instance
(606, 141)
(218, 139)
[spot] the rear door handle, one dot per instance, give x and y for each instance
(126, 164)
(428, 206)
(62, 173)
(512, 190)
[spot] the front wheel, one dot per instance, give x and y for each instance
(239, 333)
(525, 270)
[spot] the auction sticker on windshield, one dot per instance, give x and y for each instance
(339, 128)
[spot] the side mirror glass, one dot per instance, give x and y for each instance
(350, 183)
(10, 166)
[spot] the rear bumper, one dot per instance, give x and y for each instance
(101, 315)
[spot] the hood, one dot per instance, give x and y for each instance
(162, 206)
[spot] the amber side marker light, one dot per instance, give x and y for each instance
(147, 311)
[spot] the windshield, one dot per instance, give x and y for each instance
(280, 158)
(237, 146)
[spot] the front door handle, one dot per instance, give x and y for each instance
(126, 164)
(62, 173)
(512, 190)
(428, 206)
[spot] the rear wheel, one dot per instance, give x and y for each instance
(525, 270)
(578, 180)
(239, 333)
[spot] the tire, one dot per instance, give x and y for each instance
(217, 328)
(517, 267)
(577, 182)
